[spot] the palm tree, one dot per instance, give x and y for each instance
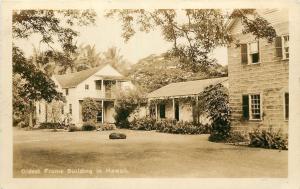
(114, 57)
(87, 57)
(42, 61)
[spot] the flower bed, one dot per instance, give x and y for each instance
(169, 126)
(50, 125)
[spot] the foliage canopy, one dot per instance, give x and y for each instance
(194, 33)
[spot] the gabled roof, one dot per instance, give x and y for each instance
(187, 88)
(73, 79)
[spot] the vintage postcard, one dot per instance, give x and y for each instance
(174, 94)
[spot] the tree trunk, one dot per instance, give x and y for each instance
(30, 115)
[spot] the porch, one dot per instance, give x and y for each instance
(177, 108)
(108, 86)
(104, 115)
(180, 101)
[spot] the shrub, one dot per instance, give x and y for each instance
(90, 109)
(73, 128)
(214, 101)
(203, 128)
(220, 130)
(50, 125)
(236, 137)
(268, 139)
(181, 127)
(88, 126)
(107, 127)
(125, 104)
(165, 125)
(145, 123)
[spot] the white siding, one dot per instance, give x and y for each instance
(185, 112)
(92, 92)
(108, 70)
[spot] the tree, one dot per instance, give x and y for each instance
(54, 27)
(195, 36)
(42, 61)
(214, 102)
(145, 73)
(125, 104)
(35, 84)
(51, 25)
(114, 57)
(20, 104)
(90, 109)
(88, 57)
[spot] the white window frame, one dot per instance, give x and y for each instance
(250, 55)
(284, 107)
(250, 107)
(282, 46)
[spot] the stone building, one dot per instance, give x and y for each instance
(258, 75)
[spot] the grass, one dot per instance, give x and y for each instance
(142, 154)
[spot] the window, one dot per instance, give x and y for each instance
(70, 108)
(255, 106)
(286, 106)
(86, 87)
(250, 53)
(152, 111)
(285, 46)
(67, 91)
(282, 46)
(62, 110)
(253, 53)
(98, 85)
(162, 111)
(251, 107)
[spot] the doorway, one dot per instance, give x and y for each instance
(177, 111)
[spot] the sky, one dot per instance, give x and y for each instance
(107, 33)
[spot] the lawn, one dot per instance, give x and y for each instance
(42, 153)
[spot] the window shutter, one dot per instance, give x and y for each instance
(244, 54)
(286, 99)
(278, 46)
(246, 107)
(258, 50)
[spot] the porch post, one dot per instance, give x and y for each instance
(156, 116)
(173, 108)
(102, 112)
(197, 109)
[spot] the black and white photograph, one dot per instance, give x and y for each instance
(150, 92)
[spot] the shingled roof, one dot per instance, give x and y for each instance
(187, 88)
(73, 79)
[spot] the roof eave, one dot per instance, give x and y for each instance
(173, 96)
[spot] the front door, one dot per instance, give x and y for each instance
(99, 116)
(177, 111)
(162, 111)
